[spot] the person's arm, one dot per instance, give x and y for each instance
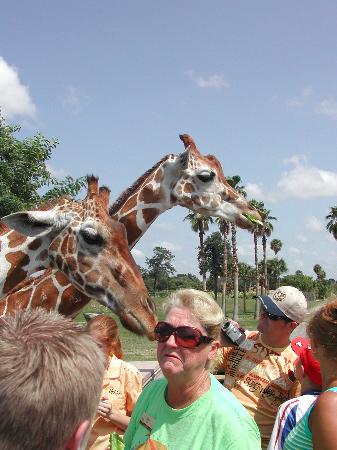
(323, 422)
(133, 388)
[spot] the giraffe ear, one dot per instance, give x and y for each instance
(36, 223)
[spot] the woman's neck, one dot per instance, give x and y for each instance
(182, 393)
(329, 372)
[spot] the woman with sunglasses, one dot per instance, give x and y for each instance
(318, 427)
(122, 385)
(189, 408)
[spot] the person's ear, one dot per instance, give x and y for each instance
(214, 347)
(292, 326)
(77, 438)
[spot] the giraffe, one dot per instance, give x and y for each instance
(81, 241)
(189, 179)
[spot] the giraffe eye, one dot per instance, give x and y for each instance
(206, 176)
(91, 237)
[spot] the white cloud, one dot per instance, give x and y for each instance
(307, 91)
(295, 160)
(163, 226)
(169, 245)
(308, 182)
(254, 191)
(294, 250)
(301, 238)
(57, 173)
(138, 254)
(15, 99)
(299, 263)
(303, 99)
(214, 81)
(327, 107)
(313, 224)
(244, 251)
(72, 100)
(294, 103)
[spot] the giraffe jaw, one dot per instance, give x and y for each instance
(132, 323)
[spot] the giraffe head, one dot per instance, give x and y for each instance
(203, 188)
(91, 249)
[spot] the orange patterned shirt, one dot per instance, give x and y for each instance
(261, 378)
(122, 384)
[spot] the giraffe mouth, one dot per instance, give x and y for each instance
(251, 219)
(132, 323)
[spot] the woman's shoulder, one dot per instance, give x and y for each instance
(327, 401)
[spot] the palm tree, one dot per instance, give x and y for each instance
(200, 224)
(224, 230)
(234, 182)
(276, 245)
(267, 229)
(256, 233)
(331, 226)
(320, 273)
(276, 267)
(245, 273)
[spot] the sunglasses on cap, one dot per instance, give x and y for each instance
(273, 316)
(185, 336)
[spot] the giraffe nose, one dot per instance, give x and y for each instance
(149, 304)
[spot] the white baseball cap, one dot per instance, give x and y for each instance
(286, 301)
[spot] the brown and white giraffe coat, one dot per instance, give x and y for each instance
(189, 179)
(91, 249)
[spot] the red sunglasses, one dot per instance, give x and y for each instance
(185, 336)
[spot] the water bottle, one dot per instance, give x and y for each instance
(233, 333)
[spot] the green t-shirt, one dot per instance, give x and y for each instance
(215, 421)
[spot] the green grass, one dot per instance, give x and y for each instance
(137, 348)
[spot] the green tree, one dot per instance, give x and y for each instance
(266, 230)
(276, 268)
(224, 230)
(331, 226)
(246, 273)
(160, 265)
(184, 281)
(24, 172)
(200, 224)
(234, 182)
(256, 233)
(214, 258)
(322, 285)
(276, 245)
(304, 283)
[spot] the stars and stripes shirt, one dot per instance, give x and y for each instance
(289, 413)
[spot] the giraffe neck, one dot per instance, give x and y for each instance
(50, 290)
(146, 199)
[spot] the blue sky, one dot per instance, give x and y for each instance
(254, 83)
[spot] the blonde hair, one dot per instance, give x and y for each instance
(201, 305)
(322, 327)
(51, 375)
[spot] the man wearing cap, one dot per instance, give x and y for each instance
(260, 371)
(308, 373)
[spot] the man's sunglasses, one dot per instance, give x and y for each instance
(187, 337)
(273, 316)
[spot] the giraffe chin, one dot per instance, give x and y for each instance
(132, 323)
